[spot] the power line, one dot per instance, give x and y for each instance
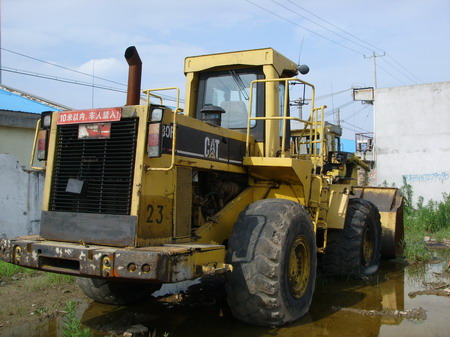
(393, 76)
(355, 126)
(75, 82)
(60, 79)
(318, 17)
(334, 32)
(62, 67)
(401, 72)
(318, 24)
(420, 81)
(309, 30)
(357, 112)
(332, 112)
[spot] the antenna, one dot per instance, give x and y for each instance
(300, 53)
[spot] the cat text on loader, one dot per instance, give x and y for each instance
(233, 184)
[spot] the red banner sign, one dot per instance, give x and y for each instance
(90, 116)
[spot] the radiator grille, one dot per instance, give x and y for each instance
(105, 165)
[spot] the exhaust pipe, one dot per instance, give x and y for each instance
(134, 76)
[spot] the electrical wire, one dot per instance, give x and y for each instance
(62, 67)
(393, 76)
(355, 126)
(334, 32)
(418, 79)
(320, 25)
(400, 71)
(332, 112)
(334, 26)
(81, 83)
(307, 29)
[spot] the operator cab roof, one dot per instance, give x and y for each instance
(254, 57)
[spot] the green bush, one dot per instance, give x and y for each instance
(432, 219)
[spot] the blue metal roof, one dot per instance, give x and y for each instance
(13, 102)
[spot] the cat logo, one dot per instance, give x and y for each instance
(211, 148)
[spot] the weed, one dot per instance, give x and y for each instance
(9, 269)
(72, 326)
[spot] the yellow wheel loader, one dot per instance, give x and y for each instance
(234, 184)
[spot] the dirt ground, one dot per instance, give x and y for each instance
(26, 298)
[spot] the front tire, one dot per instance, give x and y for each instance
(116, 292)
(273, 253)
(355, 251)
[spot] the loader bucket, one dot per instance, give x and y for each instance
(390, 205)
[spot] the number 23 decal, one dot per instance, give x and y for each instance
(155, 215)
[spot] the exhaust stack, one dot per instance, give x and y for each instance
(134, 76)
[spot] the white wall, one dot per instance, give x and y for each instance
(412, 131)
(20, 198)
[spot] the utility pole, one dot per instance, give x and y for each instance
(374, 56)
(374, 151)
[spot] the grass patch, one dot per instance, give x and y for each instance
(9, 269)
(431, 219)
(51, 279)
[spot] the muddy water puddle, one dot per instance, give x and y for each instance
(399, 301)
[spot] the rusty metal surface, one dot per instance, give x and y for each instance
(171, 263)
(134, 76)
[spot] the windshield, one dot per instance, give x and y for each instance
(231, 91)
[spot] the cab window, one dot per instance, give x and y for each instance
(230, 90)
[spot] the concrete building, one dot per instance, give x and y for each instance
(412, 138)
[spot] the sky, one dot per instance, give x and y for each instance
(59, 40)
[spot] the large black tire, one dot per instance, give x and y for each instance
(116, 292)
(274, 256)
(355, 251)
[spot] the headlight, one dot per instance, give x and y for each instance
(157, 114)
(46, 119)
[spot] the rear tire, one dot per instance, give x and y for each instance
(116, 292)
(274, 256)
(355, 251)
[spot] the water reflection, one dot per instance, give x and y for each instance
(203, 311)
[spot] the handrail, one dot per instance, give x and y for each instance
(174, 122)
(314, 124)
(148, 92)
(284, 117)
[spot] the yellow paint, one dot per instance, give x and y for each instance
(337, 209)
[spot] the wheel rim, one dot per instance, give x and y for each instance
(299, 267)
(367, 248)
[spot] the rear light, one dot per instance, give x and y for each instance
(42, 145)
(154, 140)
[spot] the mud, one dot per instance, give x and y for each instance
(412, 314)
(378, 306)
